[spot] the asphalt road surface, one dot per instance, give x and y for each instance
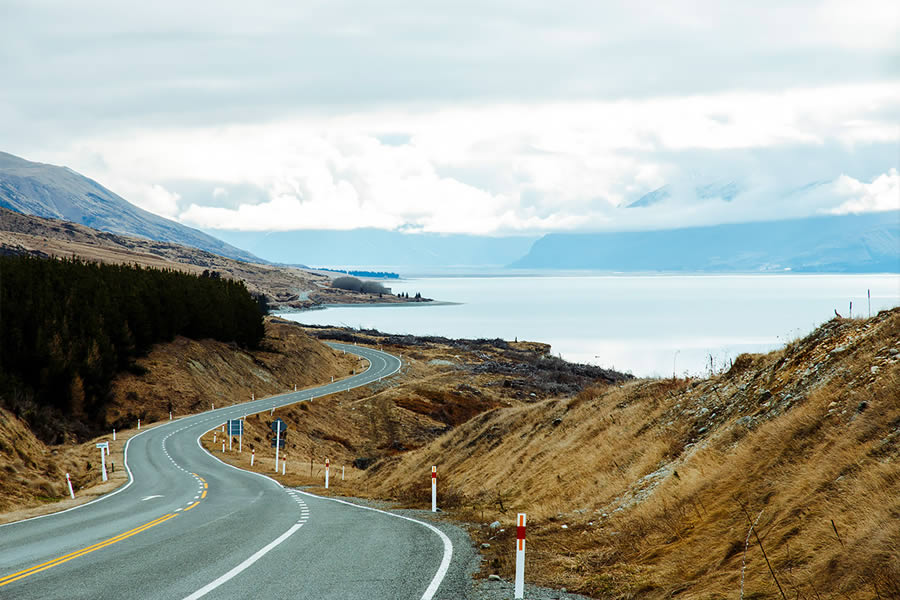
(189, 526)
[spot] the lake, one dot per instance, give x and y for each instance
(649, 325)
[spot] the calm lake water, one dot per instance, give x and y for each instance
(646, 325)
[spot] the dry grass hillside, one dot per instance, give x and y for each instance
(648, 489)
(184, 376)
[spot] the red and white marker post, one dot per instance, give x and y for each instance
(327, 465)
(433, 489)
(519, 591)
(223, 446)
(71, 491)
(283, 464)
(252, 456)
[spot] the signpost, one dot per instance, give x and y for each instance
(278, 426)
(104, 449)
(236, 427)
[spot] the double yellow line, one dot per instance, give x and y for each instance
(58, 561)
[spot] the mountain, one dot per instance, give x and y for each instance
(849, 243)
(380, 248)
(60, 193)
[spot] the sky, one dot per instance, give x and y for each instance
(494, 118)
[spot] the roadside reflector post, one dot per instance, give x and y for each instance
(252, 456)
(215, 434)
(332, 379)
(342, 472)
(71, 491)
(114, 435)
(433, 489)
(223, 446)
(170, 415)
(283, 464)
(214, 406)
(295, 387)
(252, 397)
(139, 424)
(327, 464)
(520, 558)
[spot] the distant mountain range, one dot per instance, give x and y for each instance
(850, 243)
(59, 193)
(379, 248)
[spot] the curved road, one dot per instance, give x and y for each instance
(188, 526)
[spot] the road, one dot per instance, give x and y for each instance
(188, 526)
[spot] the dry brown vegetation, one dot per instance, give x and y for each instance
(648, 490)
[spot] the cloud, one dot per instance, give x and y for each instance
(508, 168)
(881, 195)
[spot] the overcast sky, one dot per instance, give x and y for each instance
(479, 117)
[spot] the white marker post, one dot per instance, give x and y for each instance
(520, 558)
(277, 441)
(327, 464)
(283, 464)
(215, 434)
(342, 472)
(223, 446)
(114, 435)
(139, 424)
(170, 415)
(252, 397)
(252, 456)
(103, 446)
(295, 387)
(433, 489)
(71, 491)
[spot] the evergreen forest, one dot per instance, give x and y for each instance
(67, 327)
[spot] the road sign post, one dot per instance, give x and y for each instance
(520, 558)
(277, 441)
(104, 448)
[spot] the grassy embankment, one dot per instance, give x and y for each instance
(647, 489)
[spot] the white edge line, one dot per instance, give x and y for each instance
(448, 545)
(244, 565)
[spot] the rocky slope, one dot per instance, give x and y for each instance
(58, 192)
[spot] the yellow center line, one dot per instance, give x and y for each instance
(205, 486)
(203, 495)
(58, 561)
(191, 506)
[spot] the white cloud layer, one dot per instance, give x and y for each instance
(881, 195)
(509, 168)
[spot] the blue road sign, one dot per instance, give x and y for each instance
(235, 427)
(275, 423)
(280, 442)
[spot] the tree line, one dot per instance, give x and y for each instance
(67, 327)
